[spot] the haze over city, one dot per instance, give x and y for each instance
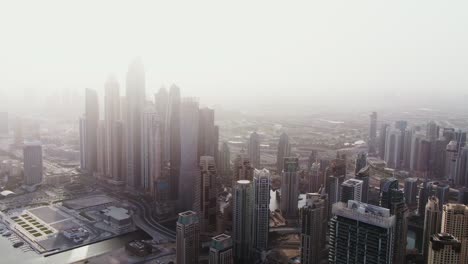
(302, 55)
(251, 132)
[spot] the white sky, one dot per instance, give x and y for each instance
(239, 53)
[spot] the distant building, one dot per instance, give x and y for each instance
(172, 140)
(112, 135)
(355, 224)
(444, 248)
(393, 148)
(151, 148)
(284, 150)
(101, 172)
(117, 217)
(242, 221)
(290, 187)
(313, 228)
(254, 150)
(91, 126)
(361, 162)
(221, 250)
(382, 140)
(224, 165)
(188, 238)
(316, 179)
(32, 158)
(138, 248)
(207, 138)
(411, 191)
(242, 169)
(373, 132)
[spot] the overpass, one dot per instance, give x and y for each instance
(285, 230)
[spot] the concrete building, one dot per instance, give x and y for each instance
(444, 248)
(189, 165)
(101, 172)
(314, 223)
(188, 238)
(83, 139)
(111, 116)
(455, 222)
(351, 190)
(172, 137)
(290, 187)
(393, 148)
(411, 191)
(205, 194)
(432, 223)
(224, 159)
(242, 169)
(32, 158)
(361, 162)
(261, 211)
(135, 102)
(284, 150)
(90, 136)
(355, 224)
(207, 139)
(117, 217)
(254, 150)
(316, 178)
(221, 250)
(242, 221)
(373, 132)
(382, 140)
(151, 147)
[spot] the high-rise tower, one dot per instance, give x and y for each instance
(313, 228)
(455, 222)
(221, 250)
(261, 210)
(444, 248)
(432, 223)
(254, 150)
(32, 158)
(205, 194)
(188, 238)
(151, 156)
(289, 187)
(135, 99)
(284, 150)
(373, 132)
(111, 116)
(351, 190)
(172, 140)
(242, 221)
(92, 119)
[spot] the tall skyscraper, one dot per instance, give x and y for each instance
(336, 174)
(351, 190)
(172, 139)
(261, 210)
(4, 123)
(189, 166)
(221, 250)
(392, 148)
(289, 187)
(111, 116)
(101, 172)
(313, 228)
(205, 194)
(188, 238)
(361, 233)
(432, 223)
(242, 221)
(444, 248)
(242, 170)
(316, 179)
(373, 132)
(224, 165)
(463, 166)
(284, 150)
(415, 151)
(382, 140)
(32, 158)
(207, 141)
(119, 157)
(92, 120)
(411, 191)
(135, 99)
(432, 131)
(363, 175)
(151, 147)
(83, 144)
(455, 222)
(254, 150)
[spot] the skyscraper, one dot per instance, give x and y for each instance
(205, 194)
(188, 238)
(289, 187)
(382, 140)
(284, 150)
(111, 116)
(373, 132)
(242, 170)
(207, 141)
(32, 158)
(316, 179)
(363, 175)
(432, 223)
(361, 162)
(432, 131)
(224, 165)
(361, 233)
(241, 224)
(151, 147)
(336, 173)
(444, 248)
(83, 144)
(172, 140)
(92, 120)
(455, 222)
(411, 191)
(135, 99)
(261, 210)
(254, 150)
(101, 151)
(351, 190)
(221, 250)
(313, 228)
(189, 166)
(392, 148)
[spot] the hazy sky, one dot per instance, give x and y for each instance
(239, 53)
